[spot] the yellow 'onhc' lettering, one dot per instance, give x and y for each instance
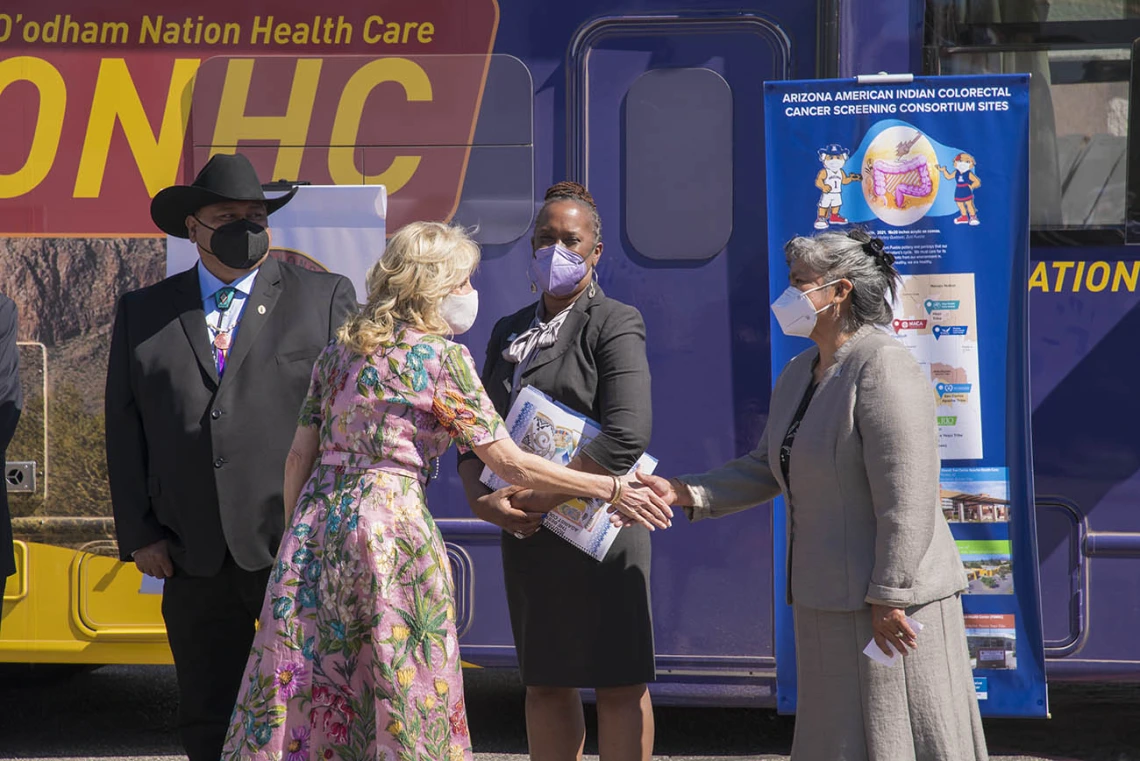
(49, 121)
(346, 123)
(117, 100)
(157, 152)
(291, 129)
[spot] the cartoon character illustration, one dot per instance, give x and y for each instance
(830, 181)
(967, 182)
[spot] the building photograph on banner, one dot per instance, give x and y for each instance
(327, 228)
(937, 168)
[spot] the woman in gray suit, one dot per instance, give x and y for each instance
(852, 444)
(577, 622)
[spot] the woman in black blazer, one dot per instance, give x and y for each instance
(577, 622)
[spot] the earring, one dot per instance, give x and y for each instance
(533, 287)
(593, 291)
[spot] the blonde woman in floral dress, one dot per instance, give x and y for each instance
(356, 655)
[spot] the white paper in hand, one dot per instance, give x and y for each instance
(873, 651)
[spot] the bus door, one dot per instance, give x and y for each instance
(666, 130)
(1084, 305)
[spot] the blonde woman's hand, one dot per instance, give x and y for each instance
(890, 625)
(643, 505)
(661, 486)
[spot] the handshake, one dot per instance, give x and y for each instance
(642, 499)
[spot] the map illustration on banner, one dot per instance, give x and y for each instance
(937, 168)
(936, 318)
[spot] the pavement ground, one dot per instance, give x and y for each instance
(127, 713)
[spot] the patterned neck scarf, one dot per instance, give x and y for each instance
(540, 336)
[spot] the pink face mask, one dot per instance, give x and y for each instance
(557, 270)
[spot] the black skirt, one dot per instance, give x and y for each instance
(579, 622)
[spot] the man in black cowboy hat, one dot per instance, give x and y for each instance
(207, 372)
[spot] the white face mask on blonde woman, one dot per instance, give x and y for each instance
(460, 311)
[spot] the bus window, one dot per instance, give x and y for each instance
(457, 145)
(1078, 55)
(678, 156)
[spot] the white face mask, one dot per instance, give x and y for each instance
(460, 311)
(795, 311)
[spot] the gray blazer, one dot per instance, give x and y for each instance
(865, 524)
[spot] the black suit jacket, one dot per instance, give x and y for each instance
(597, 367)
(11, 402)
(195, 461)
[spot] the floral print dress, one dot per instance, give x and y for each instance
(356, 655)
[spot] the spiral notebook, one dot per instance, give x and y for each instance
(543, 427)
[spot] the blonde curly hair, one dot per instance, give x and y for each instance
(423, 263)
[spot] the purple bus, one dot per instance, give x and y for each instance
(700, 280)
(516, 95)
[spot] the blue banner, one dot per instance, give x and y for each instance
(938, 168)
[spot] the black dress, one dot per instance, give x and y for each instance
(579, 622)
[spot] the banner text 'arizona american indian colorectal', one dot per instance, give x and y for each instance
(98, 118)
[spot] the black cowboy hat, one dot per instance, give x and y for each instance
(224, 178)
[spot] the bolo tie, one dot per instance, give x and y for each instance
(223, 300)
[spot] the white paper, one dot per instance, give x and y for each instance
(151, 585)
(876, 654)
(543, 427)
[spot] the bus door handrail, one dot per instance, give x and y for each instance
(1078, 587)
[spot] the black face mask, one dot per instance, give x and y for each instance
(240, 244)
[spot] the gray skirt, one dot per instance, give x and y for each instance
(850, 708)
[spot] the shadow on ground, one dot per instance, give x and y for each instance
(130, 711)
